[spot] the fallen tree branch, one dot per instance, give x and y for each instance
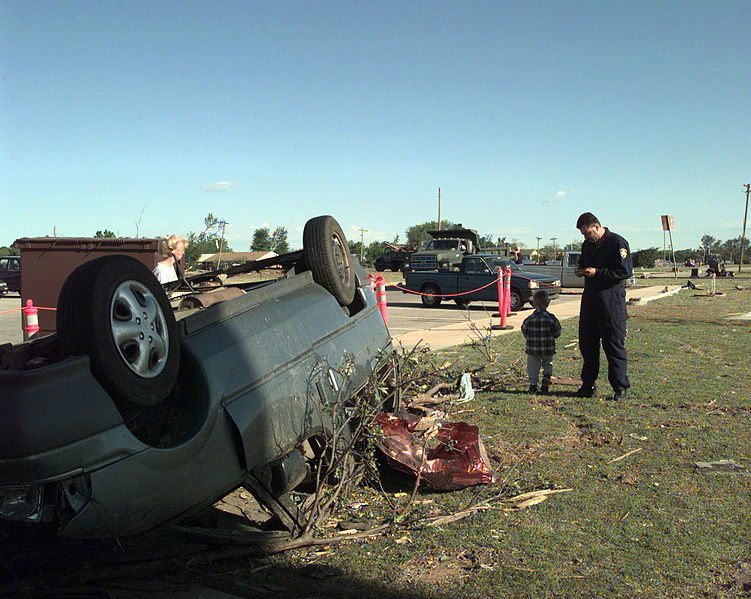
(625, 455)
(521, 502)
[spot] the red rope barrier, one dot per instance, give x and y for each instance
(493, 282)
(22, 309)
(405, 290)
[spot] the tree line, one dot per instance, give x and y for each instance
(728, 250)
(210, 241)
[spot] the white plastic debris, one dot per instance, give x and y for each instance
(466, 392)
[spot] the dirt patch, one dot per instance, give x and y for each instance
(438, 570)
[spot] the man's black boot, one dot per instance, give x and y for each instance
(619, 394)
(584, 391)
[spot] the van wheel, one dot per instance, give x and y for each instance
(326, 253)
(114, 310)
(462, 303)
(431, 300)
(516, 302)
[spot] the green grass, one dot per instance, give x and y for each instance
(650, 525)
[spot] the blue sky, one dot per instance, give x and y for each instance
(525, 114)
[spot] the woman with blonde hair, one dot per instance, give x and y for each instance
(171, 251)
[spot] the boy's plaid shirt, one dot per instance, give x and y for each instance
(540, 330)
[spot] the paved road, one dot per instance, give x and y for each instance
(407, 314)
(10, 324)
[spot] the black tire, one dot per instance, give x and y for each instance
(114, 310)
(394, 267)
(379, 265)
(431, 300)
(462, 303)
(327, 255)
(517, 301)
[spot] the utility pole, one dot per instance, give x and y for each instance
(362, 241)
(554, 253)
(743, 235)
(223, 224)
(537, 258)
(439, 208)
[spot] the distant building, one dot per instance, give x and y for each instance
(211, 261)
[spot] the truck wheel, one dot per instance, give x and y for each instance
(517, 301)
(326, 253)
(379, 265)
(394, 266)
(462, 303)
(114, 310)
(431, 300)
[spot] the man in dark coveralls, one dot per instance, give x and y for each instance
(606, 264)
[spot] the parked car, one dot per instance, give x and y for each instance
(10, 273)
(476, 272)
(141, 411)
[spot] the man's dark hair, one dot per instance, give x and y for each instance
(587, 220)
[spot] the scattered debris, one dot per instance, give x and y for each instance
(565, 380)
(457, 458)
(519, 502)
(466, 392)
(625, 455)
(721, 467)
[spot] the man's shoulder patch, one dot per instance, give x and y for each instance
(624, 253)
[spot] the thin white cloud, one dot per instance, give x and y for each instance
(559, 195)
(219, 186)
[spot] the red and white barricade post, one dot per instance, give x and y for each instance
(381, 298)
(507, 290)
(503, 301)
(31, 317)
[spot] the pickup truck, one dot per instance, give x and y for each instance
(565, 270)
(392, 259)
(477, 271)
(141, 411)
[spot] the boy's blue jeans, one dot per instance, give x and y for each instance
(533, 367)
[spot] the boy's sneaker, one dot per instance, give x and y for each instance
(545, 384)
(533, 388)
(585, 391)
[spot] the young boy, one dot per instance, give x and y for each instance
(540, 330)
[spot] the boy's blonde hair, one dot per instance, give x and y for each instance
(169, 243)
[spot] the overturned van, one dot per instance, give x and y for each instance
(141, 410)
